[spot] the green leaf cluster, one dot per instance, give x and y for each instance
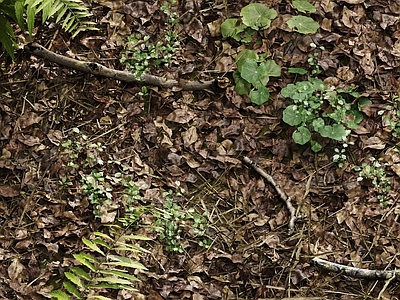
(71, 14)
(254, 17)
(303, 24)
(173, 223)
(101, 268)
(376, 173)
(252, 75)
(330, 113)
(141, 54)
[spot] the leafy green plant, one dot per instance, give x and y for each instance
(340, 156)
(71, 14)
(252, 75)
(375, 171)
(105, 265)
(97, 190)
(254, 17)
(172, 224)
(331, 113)
(393, 118)
(303, 24)
(257, 16)
(141, 53)
(132, 209)
(78, 143)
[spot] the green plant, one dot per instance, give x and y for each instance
(71, 14)
(257, 16)
(340, 156)
(172, 224)
(393, 118)
(254, 17)
(104, 265)
(97, 190)
(141, 53)
(303, 24)
(252, 75)
(312, 61)
(375, 171)
(132, 209)
(329, 112)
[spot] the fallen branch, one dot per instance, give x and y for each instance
(356, 272)
(281, 194)
(100, 70)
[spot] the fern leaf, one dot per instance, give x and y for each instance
(82, 273)
(82, 258)
(74, 279)
(7, 37)
(19, 13)
(61, 13)
(30, 17)
(59, 295)
(114, 280)
(112, 286)
(92, 246)
(103, 235)
(72, 289)
(125, 262)
(102, 243)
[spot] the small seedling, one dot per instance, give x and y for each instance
(252, 75)
(142, 53)
(97, 190)
(375, 171)
(172, 224)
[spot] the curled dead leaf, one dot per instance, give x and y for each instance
(28, 119)
(373, 142)
(181, 116)
(8, 192)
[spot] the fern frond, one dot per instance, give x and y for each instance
(7, 37)
(72, 14)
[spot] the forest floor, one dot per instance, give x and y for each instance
(80, 152)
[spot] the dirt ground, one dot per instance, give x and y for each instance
(192, 144)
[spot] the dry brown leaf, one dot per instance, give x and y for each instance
(16, 271)
(373, 142)
(28, 140)
(190, 136)
(181, 116)
(8, 192)
(55, 136)
(27, 120)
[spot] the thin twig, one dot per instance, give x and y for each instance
(356, 272)
(281, 194)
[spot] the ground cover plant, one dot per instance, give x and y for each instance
(110, 189)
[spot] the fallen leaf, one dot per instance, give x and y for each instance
(27, 120)
(8, 192)
(181, 116)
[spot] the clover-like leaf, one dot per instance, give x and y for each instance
(257, 16)
(252, 71)
(335, 132)
(301, 136)
(292, 116)
(260, 95)
(302, 24)
(304, 6)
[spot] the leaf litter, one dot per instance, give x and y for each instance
(195, 141)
